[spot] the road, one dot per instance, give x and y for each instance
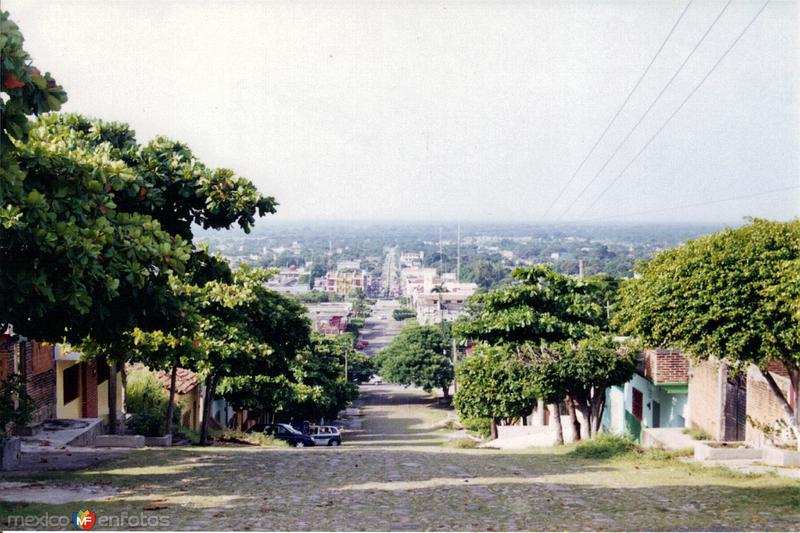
(380, 328)
(395, 474)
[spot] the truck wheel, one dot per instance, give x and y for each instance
(300, 444)
(334, 443)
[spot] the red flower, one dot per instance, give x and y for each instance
(13, 83)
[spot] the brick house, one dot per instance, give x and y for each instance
(723, 403)
(657, 395)
(34, 361)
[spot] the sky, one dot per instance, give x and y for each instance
(450, 110)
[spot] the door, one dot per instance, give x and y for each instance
(656, 414)
(735, 408)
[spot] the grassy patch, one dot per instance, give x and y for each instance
(604, 446)
(697, 434)
(480, 426)
(460, 443)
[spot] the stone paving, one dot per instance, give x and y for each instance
(394, 474)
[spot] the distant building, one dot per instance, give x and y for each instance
(346, 281)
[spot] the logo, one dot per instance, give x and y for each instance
(84, 520)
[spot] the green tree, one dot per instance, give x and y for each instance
(731, 295)
(494, 384)
(580, 371)
(418, 356)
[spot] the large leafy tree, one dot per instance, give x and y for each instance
(542, 308)
(731, 295)
(580, 371)
(418, 356)
(494, 384)
(247, 329)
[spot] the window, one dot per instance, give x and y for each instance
(637, 404)
(102, 371)
(72, 383)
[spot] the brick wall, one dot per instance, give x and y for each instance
(89, 390)
(666, 366)
(41, 380)
(6, 357)
(762, 405)
(705, 397)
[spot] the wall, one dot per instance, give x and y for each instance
(618, 417)
(762, 405)
(705, 397)
(40, 375)
(73, 408)
(666, 366)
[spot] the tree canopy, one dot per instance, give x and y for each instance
(493, 383)
(731, 295)
(418, 356)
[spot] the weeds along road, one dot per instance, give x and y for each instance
(396, 474)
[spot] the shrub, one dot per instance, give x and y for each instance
(256, 438)
(481, 426)
(604, 446)
(403, 313)
(147, 402)
(16, 406)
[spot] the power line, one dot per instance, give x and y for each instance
(698, 204)
(647, 111)
(688, 97)
(621, 107)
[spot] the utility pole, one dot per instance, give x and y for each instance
(458, 255)
(455, 360)
(441, 257)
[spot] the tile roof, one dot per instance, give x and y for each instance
(185, 380)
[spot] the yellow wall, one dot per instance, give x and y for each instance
(73, 408)
(187, 402)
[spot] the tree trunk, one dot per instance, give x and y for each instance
(790, 414)
(557, 420)
(446, 393)
(573, 418)
(494, 428)
(538, 419)
(598, 406)
(171, 404)
(112, 396)
(207, 398)
(124, 408)
(586, 425)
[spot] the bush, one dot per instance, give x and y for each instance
(16, 406)
(403, 313)
(147, 402)
(256, 438)
(481, 426)
(604, 446)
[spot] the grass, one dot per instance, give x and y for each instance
(604, 446)
(697, 434)
(460, 443)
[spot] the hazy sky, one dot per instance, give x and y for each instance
(446, 110)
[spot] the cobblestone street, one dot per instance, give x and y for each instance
(394, 474)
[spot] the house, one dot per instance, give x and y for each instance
(736, 406)
(188, 395)
(657, 396)
(82, 386)
(60, 383)
(34, 361)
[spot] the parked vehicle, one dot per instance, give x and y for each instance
(375, 380)
(326, 435)
(287, 433)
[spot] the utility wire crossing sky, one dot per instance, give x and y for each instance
(656, 111)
